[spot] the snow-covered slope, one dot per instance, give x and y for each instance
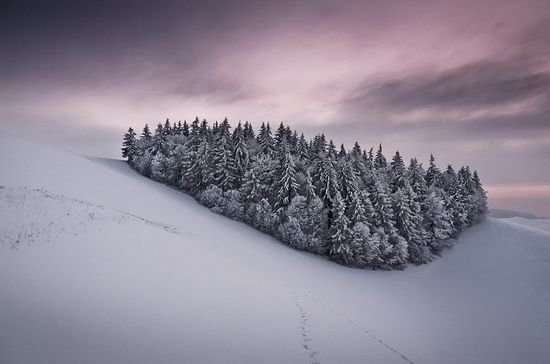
(101, 265)
(539, 224)
(500, 213)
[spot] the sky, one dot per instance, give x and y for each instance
(468, 81)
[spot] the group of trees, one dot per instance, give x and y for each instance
(354, 207)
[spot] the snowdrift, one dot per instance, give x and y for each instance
(101, 265)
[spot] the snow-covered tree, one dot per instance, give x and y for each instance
(286, 177)
(408, 221)
(348, 205)
(339, 234)
(129, 145)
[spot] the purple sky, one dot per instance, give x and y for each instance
(466, 80)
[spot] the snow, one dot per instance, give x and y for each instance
(537, 224)
(500, 213)
(101, 265)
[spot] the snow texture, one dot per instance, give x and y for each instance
(101, 265)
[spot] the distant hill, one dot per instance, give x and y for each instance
(500, 213)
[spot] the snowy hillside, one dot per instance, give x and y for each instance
(500, 213)
(101, 265)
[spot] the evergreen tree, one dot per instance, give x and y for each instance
(185, 129)
(342, 153)
(340, 235)
(167, 129)
(146, 134)
(380, 162)
(417, 180)
(433, 174)
(287, 185)
(437, 220)
(223, 163)
(200, 175)
(129, 145)
(265, 140)
(302, 149)
(397, 172)
(240, 154)
(248, 131)
(280, 136)
(409, 224)
(327, 185)
(159, 139)
(308, 189)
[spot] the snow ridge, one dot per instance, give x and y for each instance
(55, 217)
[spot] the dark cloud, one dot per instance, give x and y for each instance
(221, 90)
(472, 86)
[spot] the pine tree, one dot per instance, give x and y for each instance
(287, 185)
(200, 175)
(223, 163)
(327, 184)
(480, 196)
(397, 172)
(129, 146)
(433, 174)
(251, 188)
(409, 224)
(393, 247)
(146, 134)
(240, 154)
(356, 151)
(159, 139)
(265, 140)
(342, 153)
(184, 129)
(248, 131)
(417, 180)
(340, 235)
(167, 129)
(380, 162)
(159, 168)
(437, 220)
(302, 149)
(280, 136)
(308, 190)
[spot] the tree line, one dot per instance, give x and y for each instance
(353, 206)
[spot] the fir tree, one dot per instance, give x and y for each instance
(287, 184)
(417, 180)
(146, 134)
(397, 172)
(340, 235)
(265, 140)
(185, 129)
(437, 220)
(379, 161)
(409, 224)
(129, 146)
(240, 154)
(223, 163)
(433, 174)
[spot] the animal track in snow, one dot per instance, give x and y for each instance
(305, 331)
(361, 328)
